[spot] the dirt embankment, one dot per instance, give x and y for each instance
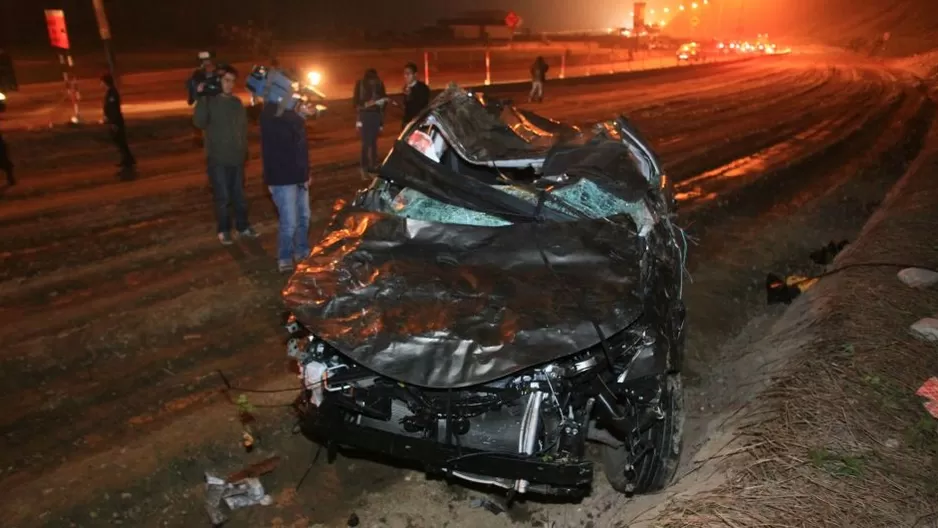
(839, 437)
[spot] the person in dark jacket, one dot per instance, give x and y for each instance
(5, 164)
(7, 75)
(225, 122)
(416, 94)
(115, 120)
(285, 153)
(369, 100)
(538, 77)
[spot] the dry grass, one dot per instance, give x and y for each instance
(847, 443)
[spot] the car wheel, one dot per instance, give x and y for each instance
(653, 469)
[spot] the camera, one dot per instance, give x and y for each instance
(211, 85)
(274, 86)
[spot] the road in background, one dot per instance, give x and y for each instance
(162, 92)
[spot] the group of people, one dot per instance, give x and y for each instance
(370, 99)
(284, 151)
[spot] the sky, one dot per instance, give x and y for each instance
(180, 22)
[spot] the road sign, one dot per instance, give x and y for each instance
(638, 16)
(695, 21)
(55, 23)
(512, 20)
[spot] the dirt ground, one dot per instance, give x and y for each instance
(841, 439)
(123, 310)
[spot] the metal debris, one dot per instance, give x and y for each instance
(239, 494)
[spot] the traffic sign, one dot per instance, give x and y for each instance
(55, 23)
(512, 20)
(695, 21)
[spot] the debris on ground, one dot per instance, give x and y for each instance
(488, 504)
(929, 391)
(239, 494)
(826, 254)
(353, 520)
(926, 328)
(784, 291)
(918, 277)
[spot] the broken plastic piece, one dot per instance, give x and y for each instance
(488, 504)
(918, 277)
(784, 291)
(926, 329)
(929, 389)
(826, 254)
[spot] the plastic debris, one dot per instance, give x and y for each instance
(926, 329)
(488, 504)
(918, 277)
(784, 291)
(239, 494)
(826, 254)
(929, 391)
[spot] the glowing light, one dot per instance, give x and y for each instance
(314, 78)
(694, 5)
(667, 10)
(652, 11)
(682, 7)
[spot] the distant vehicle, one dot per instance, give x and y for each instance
(690, 52)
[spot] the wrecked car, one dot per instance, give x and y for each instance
(507, 289)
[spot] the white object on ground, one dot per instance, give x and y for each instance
(926, 329)
(918, 277)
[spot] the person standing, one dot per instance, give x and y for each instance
(202, 75)
(224, 120)
(416, 94)
(538, 77)
(5, 162)
(285, 153)
(369, 100)
(114, 118)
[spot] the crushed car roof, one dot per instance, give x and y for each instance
(524, 278)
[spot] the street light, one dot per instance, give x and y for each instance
(667, 10)
(694, 5)
(682, 7)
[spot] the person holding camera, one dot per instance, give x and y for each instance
(285, 154)
(114, 118)
(204, 74)
(224, 120)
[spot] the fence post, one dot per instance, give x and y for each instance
(589, 58)
(426, 67)
(488, 68)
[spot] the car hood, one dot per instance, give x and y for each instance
(446, 306)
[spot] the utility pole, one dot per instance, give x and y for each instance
(105, 30)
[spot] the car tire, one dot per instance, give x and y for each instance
(656, 469)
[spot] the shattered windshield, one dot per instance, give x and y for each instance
(597, 177)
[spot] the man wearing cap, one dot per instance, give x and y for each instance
(201, 75)
(225, 122)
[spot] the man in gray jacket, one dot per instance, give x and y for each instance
(224, 120)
